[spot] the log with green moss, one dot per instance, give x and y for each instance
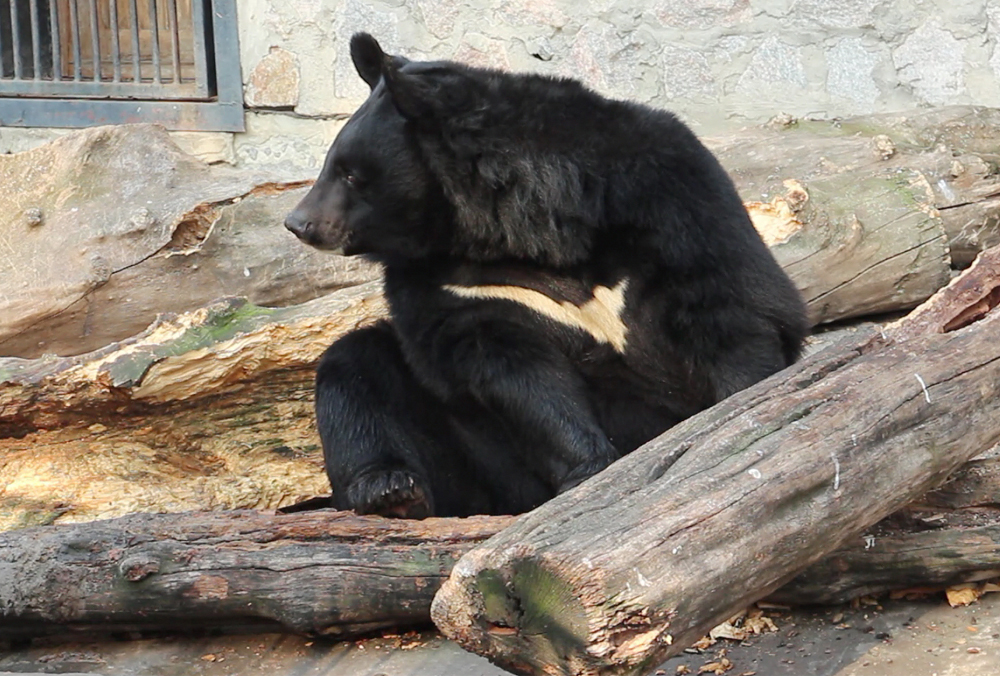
(211, 409)
(104, 228)
(337, 574)
(329, 573)
(641, 560)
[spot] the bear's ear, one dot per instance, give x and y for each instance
(431, 90)
(368, 58)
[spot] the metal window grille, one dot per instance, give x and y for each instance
(68, 63)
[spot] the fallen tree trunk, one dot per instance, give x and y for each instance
(638, 562)
(330, 573)
(97, 224)
(947, 537)
(862, 213)
(961, 547)
(337, 574)
(207, 410)
(953, 149)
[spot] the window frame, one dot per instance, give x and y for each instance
(224, 112)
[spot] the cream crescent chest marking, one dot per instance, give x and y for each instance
(601, 316)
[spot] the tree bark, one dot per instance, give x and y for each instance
(334, 573)
(106, 227)
(207, 410)
(952, 149)
(949, 536)
(331, 573)
(721, 510)
(961, 546)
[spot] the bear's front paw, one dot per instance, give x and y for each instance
(392, 493)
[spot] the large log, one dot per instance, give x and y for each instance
(951, 151)
(961, 548)
(207, 410)
(947, 537)
(330, 573)
(639, 561)
(334, 573)
(106, 227)
(861, 212)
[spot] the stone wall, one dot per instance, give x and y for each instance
(719, 63)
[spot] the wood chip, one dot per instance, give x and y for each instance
(962, 596)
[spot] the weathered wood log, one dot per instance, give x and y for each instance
(861, 212)
(331, 573)
(947, 537)
(207, 410)
(334, 573)
(107, 227)
(955, 551)
(952, 149)
(639, 561)
(976, 484)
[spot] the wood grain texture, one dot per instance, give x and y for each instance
(207, 410)
(324, 572)
(641, 560)
(106, 227)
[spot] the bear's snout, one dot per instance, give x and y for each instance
(314, 231)
(300, 225)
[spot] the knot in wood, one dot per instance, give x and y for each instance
(33, 217)
(141, 219)
(137, 568)
(100, 270)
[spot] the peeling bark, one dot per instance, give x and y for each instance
(867, 214)
(207, 410)
(107, 227)
(955, 149)
(638, 562)
(334, 573)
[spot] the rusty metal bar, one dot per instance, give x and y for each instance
(36, 41)
(74, 20)
(203, 93)
(116, 52)
(175, 40)
(88, 89)
(15, 40)
(136, 54)
(95, 40)
(56, 45)
(187, 115)
(2, 67)
(199, 8)
(156, 40)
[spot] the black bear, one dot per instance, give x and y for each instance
(568, 276)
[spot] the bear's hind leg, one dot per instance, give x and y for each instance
(384, 436)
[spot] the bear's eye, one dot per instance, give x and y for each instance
(351, 180)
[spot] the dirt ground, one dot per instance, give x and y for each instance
(901, 638)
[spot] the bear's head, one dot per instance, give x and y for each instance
(448, 159)
(374, 194)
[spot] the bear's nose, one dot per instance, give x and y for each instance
(299, 224)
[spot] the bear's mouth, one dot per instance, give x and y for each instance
(327, 248)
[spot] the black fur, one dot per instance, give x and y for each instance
(462, 180)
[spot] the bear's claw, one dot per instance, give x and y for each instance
(391, 493)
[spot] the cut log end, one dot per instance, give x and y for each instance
(771, 480)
